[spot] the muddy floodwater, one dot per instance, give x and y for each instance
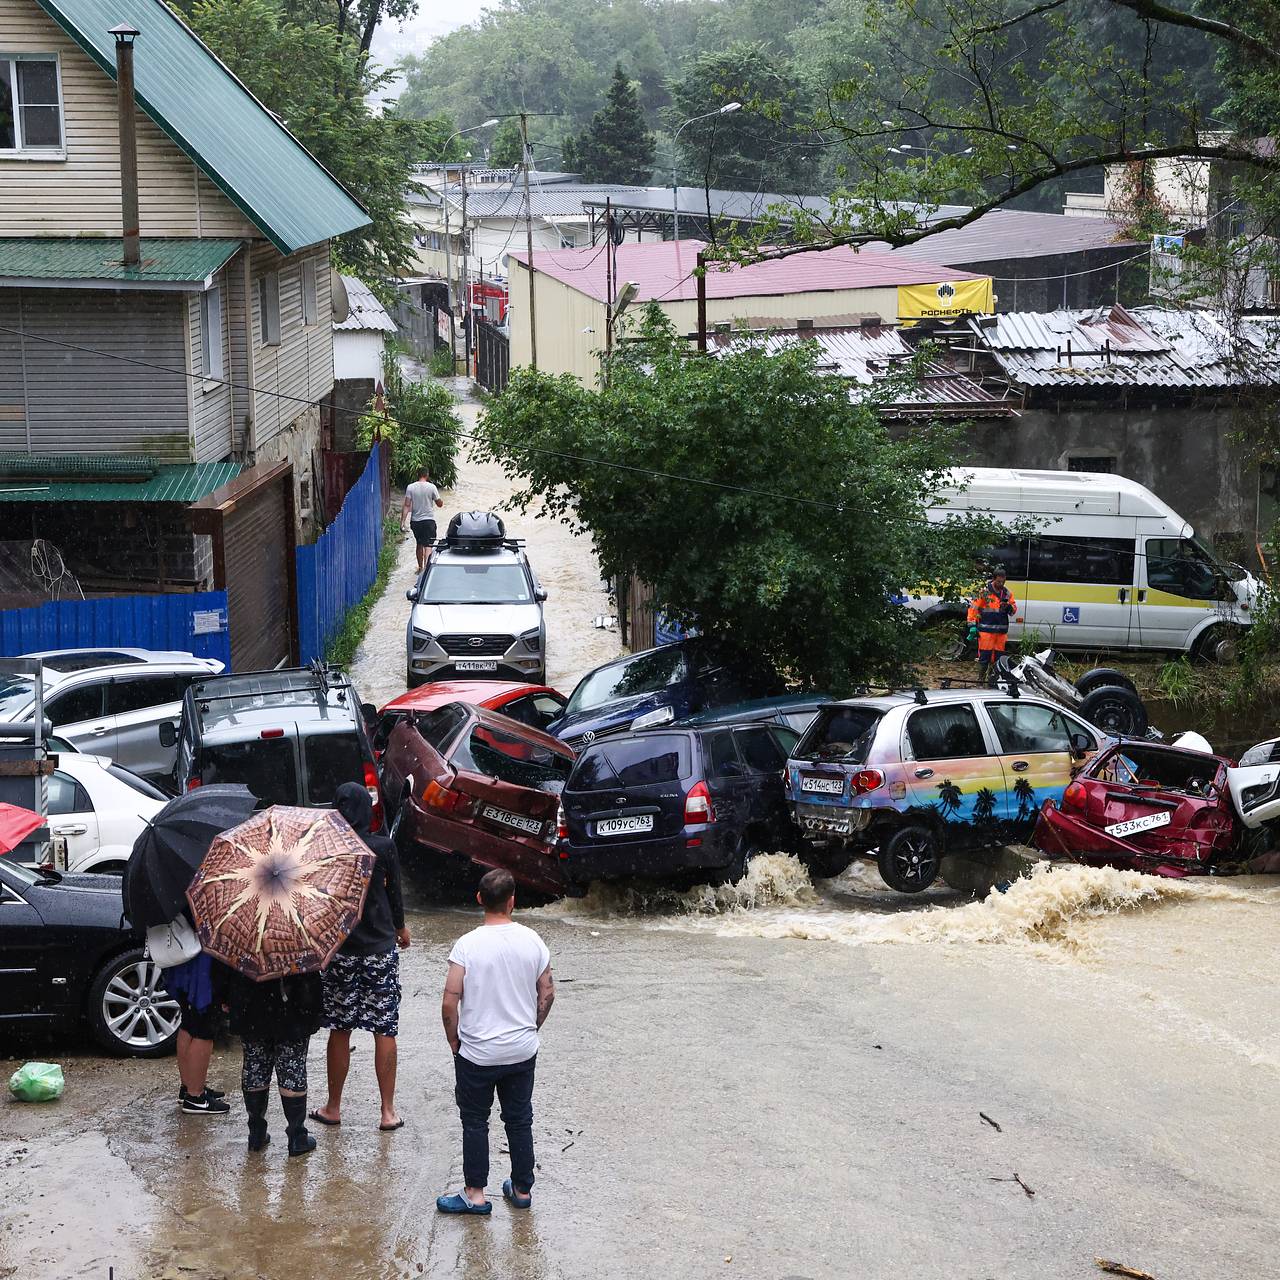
(778, 1080)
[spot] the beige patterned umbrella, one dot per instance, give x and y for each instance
(279, 893)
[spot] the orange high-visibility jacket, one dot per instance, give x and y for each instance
(991, 609)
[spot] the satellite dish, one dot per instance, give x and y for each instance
(338, 297)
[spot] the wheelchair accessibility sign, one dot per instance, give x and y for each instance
(1070, 614)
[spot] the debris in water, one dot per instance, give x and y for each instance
(1119, 1269)
(1019, 1181)
(877, 1046)
(564, 1149)
(983, 1115)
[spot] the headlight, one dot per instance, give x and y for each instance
(420, 640)
(532, 640)
(663, 715)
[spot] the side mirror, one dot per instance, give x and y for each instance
(368, 712)
(168, 734)
(1080, 745)
(412, 595)
(540, 595)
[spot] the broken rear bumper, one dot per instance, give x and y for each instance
(1060, 835)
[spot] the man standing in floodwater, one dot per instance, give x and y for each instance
(497, 994)
(421, 499)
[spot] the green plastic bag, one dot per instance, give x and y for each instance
(37, 1082)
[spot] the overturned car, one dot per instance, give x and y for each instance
(1169, 809)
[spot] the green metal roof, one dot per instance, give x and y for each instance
(164, 262)
(28, 483)
(256, 162)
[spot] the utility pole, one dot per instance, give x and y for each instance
(608, 283)
(448, 263)
(702, 305)
(528, 237)
(467, 318)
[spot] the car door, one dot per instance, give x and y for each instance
(1177, 591)
(79, 714)
(138, 704)
(728, 779)
(1081, 589)
(72, 816)
(765, 759)
(954, 771)
(1035, 755)
(23, 943)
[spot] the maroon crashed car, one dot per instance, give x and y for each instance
(1144, 806)
(478, 790)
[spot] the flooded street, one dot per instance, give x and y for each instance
(778, 1080)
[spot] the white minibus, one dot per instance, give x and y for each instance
(1106, 566)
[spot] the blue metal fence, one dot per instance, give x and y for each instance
(191, 623)
(337, 570)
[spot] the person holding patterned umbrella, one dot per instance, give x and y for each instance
(274, 899)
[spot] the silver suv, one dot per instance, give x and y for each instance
(110, 702)
(477, 611)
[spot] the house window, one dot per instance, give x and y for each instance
(30, 105)
(310, 306)
(1104, 464)
(211, 332)
(269, 309)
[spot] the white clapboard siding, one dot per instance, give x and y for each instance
(211, 401)
(90, 400)
(81, 194)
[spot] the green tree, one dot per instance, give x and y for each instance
(507, 149)
(761, 504)
(617, 146)
(293, 67)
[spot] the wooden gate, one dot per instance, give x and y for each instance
(254, 530)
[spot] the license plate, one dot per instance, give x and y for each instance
(532, 826)
(823, 786)
(625, 826)
(1148, 822)
(470, 664)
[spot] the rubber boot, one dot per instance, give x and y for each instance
(255, 1106)
(295, 1113)
(983, 671)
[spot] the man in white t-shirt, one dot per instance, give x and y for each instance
(497, 993)
(421, 499)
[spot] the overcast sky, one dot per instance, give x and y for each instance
(393, 42)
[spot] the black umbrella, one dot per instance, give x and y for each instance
(167, 855)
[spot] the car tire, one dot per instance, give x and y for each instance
(130, 1014)
(909, 859)
(1101, 676)
(1219, 644)
(826, 864)
(736, 868)
(410, 680)
(1115, 710)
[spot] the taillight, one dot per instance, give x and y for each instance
(867, 780)
(193, 783)
(437, 796)
(1075, 796)
(698, 807)
(562, 823)
(271, 733)
(375, 794)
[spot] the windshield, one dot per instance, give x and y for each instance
(645, 673)
(1203, 549)
(840, 733)
(16, 694)
(457, 583)
(23, 874)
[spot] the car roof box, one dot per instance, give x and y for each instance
(475, 531)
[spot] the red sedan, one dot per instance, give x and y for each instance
(536, 705)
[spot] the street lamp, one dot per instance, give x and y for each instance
(675, 189)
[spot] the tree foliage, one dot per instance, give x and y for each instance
(617, 145)
(507, 148)
(421, 425)
(762, 504)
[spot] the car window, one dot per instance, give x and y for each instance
(265, 765)
(1067, 559)
(1026, 727)
(140, 785)
(137, 693)
(452, 582)
(785, 738)
(508, 758)
(720, 753)
(16, 691)
(66, 795)
(645, 673)
(75, 705)
(760, 750)
(1179, 567)
(945, 733)
(535, 709)
(438, 727)
(329, 760)
(840, 733)
(646, 761)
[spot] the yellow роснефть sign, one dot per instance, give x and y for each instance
(944, 300)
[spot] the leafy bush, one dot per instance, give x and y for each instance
(421, 426)
(441, 363)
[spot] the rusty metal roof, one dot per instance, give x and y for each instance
(1142, 347)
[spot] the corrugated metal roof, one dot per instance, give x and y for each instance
(663, 270)
(245, 151)
(1016, 233)
(558, 201)
(366, 311)
(1142, 347)
(164, 261)
(182, 484)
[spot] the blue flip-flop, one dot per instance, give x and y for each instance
(509, 1193)
(458, 1203)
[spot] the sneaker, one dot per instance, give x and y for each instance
(216, 1094)
(204, 1104)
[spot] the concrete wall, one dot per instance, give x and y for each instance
(300, 445)
(1183, 453)
(351, 398)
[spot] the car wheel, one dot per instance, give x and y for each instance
(909, 859)
(130, 1012)
(1101, 676)
(1219, 644)
(411, 681)
(826, 864)
(1115, 710)
(737, 867)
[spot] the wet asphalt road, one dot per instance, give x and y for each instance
(712, 1105)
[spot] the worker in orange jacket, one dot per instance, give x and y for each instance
(989, 615)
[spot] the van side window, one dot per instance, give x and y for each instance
(1062, 559)
(1173, 566)
(1012, 555)
(945, 733)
